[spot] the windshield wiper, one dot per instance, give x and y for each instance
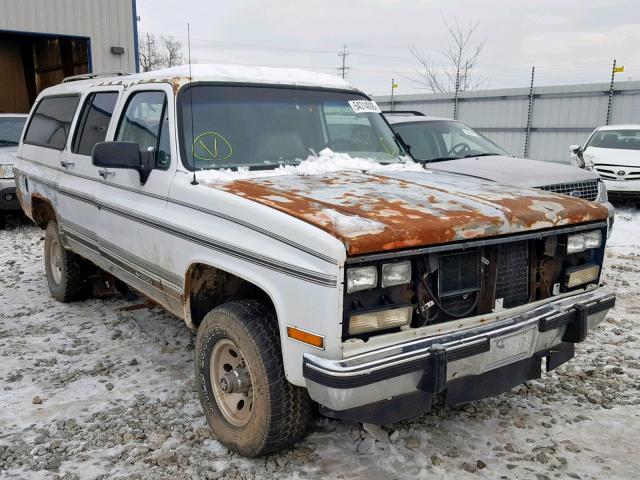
(8, 142)
(481, 155)
(437, 159)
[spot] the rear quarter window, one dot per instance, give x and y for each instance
(50, 123)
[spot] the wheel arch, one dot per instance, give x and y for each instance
(207, 286)
(42, 210)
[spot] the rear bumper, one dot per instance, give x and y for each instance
(8, 197)
(428, 366)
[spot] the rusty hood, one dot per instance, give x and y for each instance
(381, 211)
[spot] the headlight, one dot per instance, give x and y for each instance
(396, 273)
(380, 320)
(580, 275)
(602, 192)
(583, 241)
(6, 171)
(361, 278)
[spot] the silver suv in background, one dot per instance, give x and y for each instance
(452, 146)
(11, 125)
(613, 152)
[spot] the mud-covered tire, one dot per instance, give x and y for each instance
(281, 412)
(68, 274)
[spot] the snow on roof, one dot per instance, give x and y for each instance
(219, 72)
(622, 126)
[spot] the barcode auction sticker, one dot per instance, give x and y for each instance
(364, 106)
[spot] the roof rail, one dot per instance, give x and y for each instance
(89, 76)
(403, 112)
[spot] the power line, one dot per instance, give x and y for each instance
(343, 69)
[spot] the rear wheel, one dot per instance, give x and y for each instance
(67, 273)
(249, 404)
(3, 220)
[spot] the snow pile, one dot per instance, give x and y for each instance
(327, 161)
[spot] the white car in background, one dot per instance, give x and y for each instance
(11, 125)
(613, 152)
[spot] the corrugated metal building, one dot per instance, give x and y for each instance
(43, 41)
(560, 115)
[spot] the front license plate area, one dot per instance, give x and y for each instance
(511, 348)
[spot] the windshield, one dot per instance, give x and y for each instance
(621, 139)
(262, 127)
(10, 130)
(437, 140)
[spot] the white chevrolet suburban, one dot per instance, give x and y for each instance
(275, 212)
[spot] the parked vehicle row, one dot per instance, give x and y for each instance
(355, 278)
(11, 126)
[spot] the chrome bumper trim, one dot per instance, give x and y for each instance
(395, 370)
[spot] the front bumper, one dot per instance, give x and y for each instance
(623, 187)
(8, 197)
(430, 364)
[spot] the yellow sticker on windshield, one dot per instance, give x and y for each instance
(211, 146)
(391, 150)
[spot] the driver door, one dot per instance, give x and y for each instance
(132, 221)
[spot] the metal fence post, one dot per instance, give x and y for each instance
(529, 114)
(613, 75)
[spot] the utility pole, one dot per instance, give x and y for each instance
(527, 136)
(344, 67)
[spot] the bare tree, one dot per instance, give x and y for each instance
(150, 57)
(156, 53)
(173, 54)
(461, 56)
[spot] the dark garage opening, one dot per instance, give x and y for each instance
(29, 63)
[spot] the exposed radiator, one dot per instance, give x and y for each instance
(512, 283)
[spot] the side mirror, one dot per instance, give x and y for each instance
(575, 149)
(121, 155)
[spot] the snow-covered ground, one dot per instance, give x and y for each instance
(89, 390)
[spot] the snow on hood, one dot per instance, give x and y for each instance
(326, 162)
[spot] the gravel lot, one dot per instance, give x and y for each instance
(93, 391)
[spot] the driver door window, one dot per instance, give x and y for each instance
(145, 122)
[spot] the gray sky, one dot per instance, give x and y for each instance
(569, 41)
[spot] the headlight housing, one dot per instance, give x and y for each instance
(397, 273)
(361, 278)
(580, 242)
(603, 196)
(6, 171)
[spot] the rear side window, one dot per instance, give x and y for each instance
(145, 122)
(51, 122)
(94, 121)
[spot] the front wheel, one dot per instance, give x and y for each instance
(249, 404)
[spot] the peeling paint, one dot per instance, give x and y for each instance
(398, 210)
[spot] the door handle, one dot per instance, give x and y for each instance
(104, 173)
(66, 164)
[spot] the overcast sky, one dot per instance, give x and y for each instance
(569, 41)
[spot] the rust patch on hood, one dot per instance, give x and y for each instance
(394, 210)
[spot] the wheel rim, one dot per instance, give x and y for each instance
(232, 382)
(55, 260)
